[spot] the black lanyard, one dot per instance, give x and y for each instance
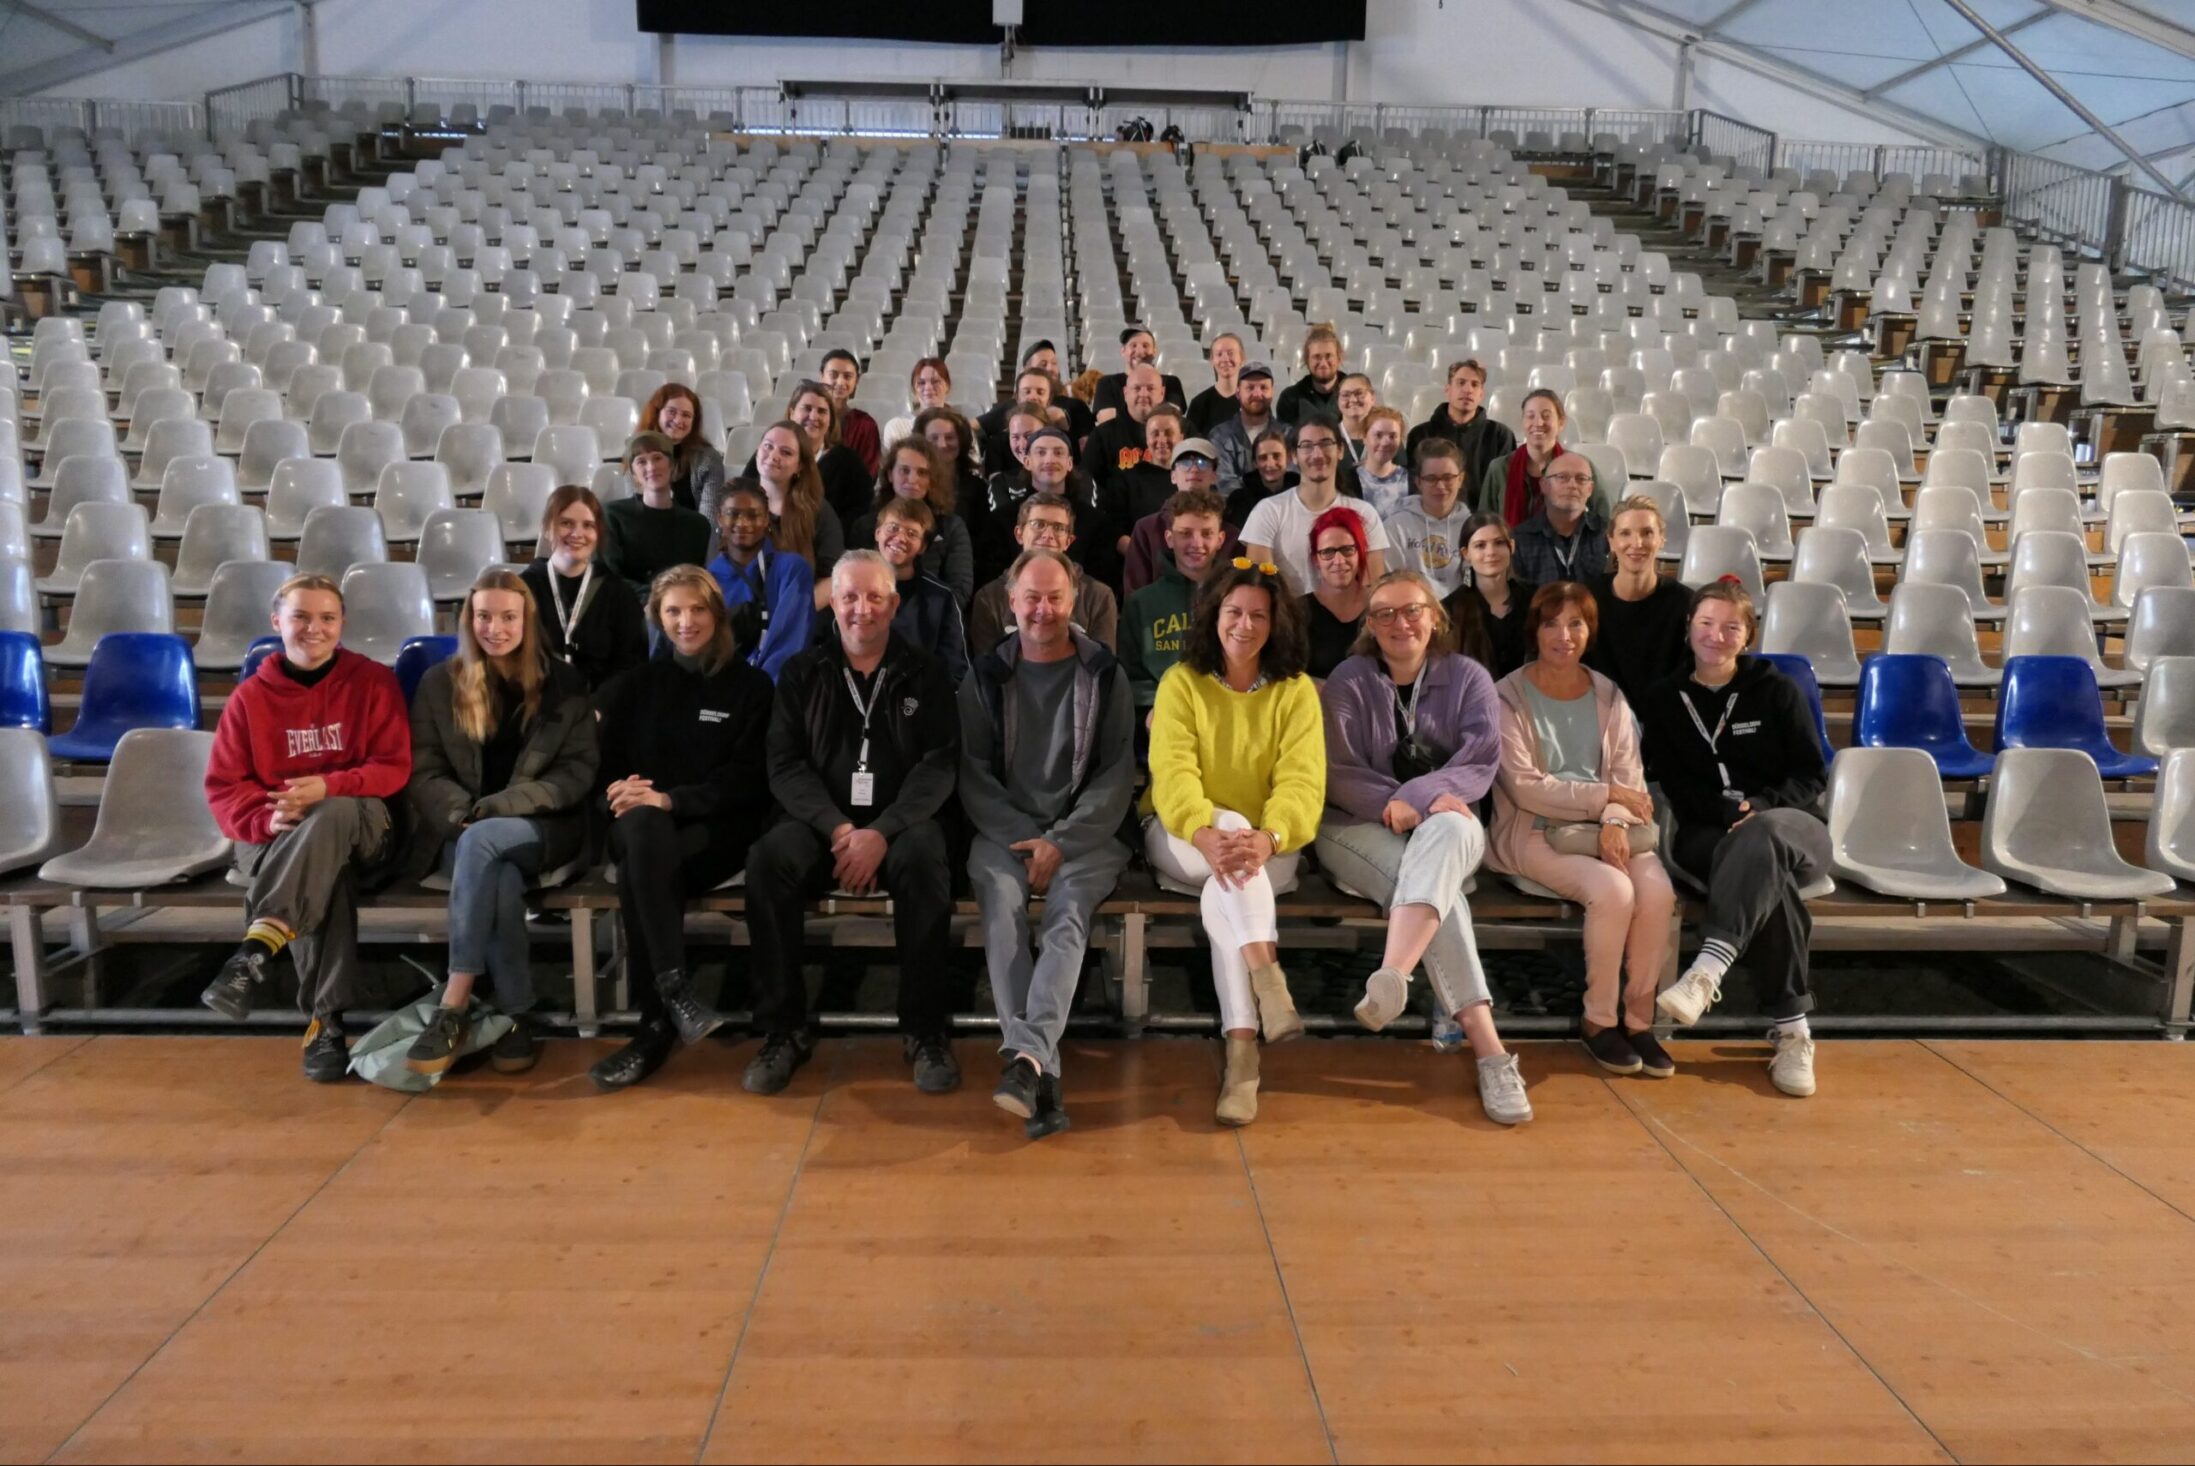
(865, 708)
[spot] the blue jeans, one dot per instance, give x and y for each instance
(489, 867)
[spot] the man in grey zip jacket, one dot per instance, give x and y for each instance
(1047, 773)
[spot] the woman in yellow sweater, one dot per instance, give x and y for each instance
(1238, 777)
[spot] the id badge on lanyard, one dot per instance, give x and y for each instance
(861, 790)
(1714, 740)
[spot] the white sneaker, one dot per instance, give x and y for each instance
(1386, 994)
(1792, 1068)
(1501, 1090)
(1688, 997)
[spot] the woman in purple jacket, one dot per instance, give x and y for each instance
(1412, 740)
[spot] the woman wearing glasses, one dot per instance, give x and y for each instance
(1238, 775)
(1412, 742)
(1279, 529)
(1333, 613)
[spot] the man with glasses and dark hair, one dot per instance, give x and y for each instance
(1461, 421)
(1427, 530)
(1279, 528)
(1565, 540)
(1046, 522)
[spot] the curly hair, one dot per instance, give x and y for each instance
(1287, 651)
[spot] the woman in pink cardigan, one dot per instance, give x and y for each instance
(1571, 781)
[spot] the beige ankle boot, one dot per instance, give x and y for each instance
(1238, 1087)
(1276, 1010)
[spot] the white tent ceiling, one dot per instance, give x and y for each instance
(2132, 66)
(48, 43)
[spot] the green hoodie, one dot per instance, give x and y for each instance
(1153, 626)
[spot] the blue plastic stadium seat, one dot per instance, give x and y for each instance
(1801, 671)
(2053, 702)
(418, 654)
(23, 700)
(1910, 701)
(265, 647)
(135, 679)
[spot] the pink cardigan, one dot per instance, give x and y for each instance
(1523, 788)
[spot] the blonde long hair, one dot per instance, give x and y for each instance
(722, 646)
(473, 697)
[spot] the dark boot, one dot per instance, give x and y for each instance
(694, 1019)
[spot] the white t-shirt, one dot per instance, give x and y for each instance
(1285, 524)
(1432, 547)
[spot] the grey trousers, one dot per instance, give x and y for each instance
(1753, 874)
(305, 878)
(1034, 993)
(1426, 867)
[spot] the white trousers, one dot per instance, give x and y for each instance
(1233, 917)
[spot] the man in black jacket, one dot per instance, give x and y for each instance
(1138, 348)
(864, 744)
(1462, 422)
(1316, 391)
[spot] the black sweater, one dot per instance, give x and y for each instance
(1640, 643)
(612, 634)
(1769, 746)
(699, 738)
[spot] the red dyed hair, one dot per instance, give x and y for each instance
(1341, 516)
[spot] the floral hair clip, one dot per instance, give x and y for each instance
(1262, 567)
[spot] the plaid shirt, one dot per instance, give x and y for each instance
(1543, 557)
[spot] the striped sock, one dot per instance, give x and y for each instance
(1715, 959)
(1794, 1027)
(272, 935)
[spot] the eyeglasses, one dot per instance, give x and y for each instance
(1193, 460)
(1566, 478)
(1440, 478)
(745, 516)
(1314, 445)
(1336, 552)
(1413, 613)
(1262, 567)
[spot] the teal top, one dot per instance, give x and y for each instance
(1569, 734)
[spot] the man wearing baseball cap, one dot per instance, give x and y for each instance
(1234, 439)
(1138, 347)
(651, 532)
(1195, 465)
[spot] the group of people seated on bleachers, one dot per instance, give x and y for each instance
(698, 697)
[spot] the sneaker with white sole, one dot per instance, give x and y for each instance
(1386, 994)
(1792, 1068)
(1501, 1090)
(1688, 997)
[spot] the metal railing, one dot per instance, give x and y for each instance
(1808, 155)
(230, 110)
(2058, 201)
(93, 115)
(1729, 140)
(1625, 124)
(2156, 236)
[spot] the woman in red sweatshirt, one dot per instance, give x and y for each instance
(307, 754)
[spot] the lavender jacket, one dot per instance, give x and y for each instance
(1457, 708)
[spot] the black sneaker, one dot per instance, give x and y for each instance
(936, 1070)
(637, 1060)
(694, 1019)
(1051, 1115)
(235, 988)
(327, 1052)
(1017, 1088)
(1612, 1051)
(782, 1054)
(1654, 1060)
(434, 1051)
(517, 1050)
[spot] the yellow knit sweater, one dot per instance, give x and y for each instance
(1261, 754)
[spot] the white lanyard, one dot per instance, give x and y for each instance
(1714, 739)
(861, 764)
(1565, 557)
(579, 604)
(1410, 708)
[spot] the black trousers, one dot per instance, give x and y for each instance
(661, 865)
(1753, 875)
(791, 865)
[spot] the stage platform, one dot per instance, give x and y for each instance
(1958, 1250)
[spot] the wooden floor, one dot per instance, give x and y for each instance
(1974, 1251)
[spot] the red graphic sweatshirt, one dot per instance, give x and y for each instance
(349, 728)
